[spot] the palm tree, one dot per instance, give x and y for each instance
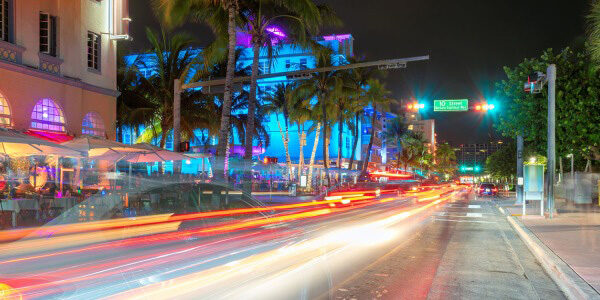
(322, 86)
(221, 16)
(395, 133)
(356, 80)
(169, 59)
(345, 109)
(593, 39)
(133, 104)
(445, 158)
(269, 22)
(377, 96)
(278, 103)
(300, 113)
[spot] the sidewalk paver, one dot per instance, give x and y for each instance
(573, 234)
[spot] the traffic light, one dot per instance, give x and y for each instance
(184, 146)
(475, 169)
(484, 107)
(415, 106)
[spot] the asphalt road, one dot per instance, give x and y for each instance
(467, 251)
(442, 246)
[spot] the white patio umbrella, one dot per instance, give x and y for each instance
(97, 147)
(151, 153)
(17, 144)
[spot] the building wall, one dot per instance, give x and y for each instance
(476, 154)
(342, 48)
(22, 91)
(28, 75)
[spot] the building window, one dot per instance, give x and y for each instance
(48, 37)
(5, 120)
(5, 20)
(288, 63)
(46, 115)
(92, 124)
(263, 67)
(93, 51)
(303, 64)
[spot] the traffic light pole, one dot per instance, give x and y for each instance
(551, 73)
(519, 188)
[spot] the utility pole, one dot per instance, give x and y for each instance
(551, 73)
(520, 168)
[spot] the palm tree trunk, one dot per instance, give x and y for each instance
(325, 142)
(368, 154)
(252, 103)
(312, 156)
(225, 113)
(162, 142)
(301, 150)
(355, 142)
(287, 150)
(339, 159)
(284, 139)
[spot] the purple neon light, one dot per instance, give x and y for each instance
(276, 31)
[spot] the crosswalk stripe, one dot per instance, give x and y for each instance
(474, 215)
(474, 206)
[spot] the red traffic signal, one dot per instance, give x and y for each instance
(184, 146)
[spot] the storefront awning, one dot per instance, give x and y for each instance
(55, 137)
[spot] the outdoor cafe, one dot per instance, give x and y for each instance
(74, 181)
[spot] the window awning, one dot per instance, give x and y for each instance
(55, 137)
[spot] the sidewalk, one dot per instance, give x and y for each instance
(573, 234)
(283, 199)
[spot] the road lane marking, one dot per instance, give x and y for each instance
(474, 215)
(467, 221)
(474, 206)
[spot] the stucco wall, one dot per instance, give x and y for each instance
(75, 19)
(23, 91)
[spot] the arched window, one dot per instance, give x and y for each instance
(46, 115)
(5, 119)
(92, 124)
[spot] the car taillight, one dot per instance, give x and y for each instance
(495, 189)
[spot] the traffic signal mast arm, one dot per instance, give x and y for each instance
(382, 64)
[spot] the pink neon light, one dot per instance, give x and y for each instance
(276, 31)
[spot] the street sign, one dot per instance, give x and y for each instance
(451, 105)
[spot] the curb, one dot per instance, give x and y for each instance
(570, 283)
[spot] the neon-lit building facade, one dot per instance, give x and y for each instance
(290, 57)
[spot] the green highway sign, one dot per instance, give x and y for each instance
(451, 105)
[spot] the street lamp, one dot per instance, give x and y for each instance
(572, 157)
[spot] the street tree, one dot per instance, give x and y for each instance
(221, 16)
(270, 22)
(321, 86)
(577, 105)
(278, 103)
(377, 97)
(445, 159)
(395, 132)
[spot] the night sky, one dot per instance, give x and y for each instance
(469, 42)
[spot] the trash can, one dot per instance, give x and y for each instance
(292, 190)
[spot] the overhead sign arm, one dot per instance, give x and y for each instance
(381, 64)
